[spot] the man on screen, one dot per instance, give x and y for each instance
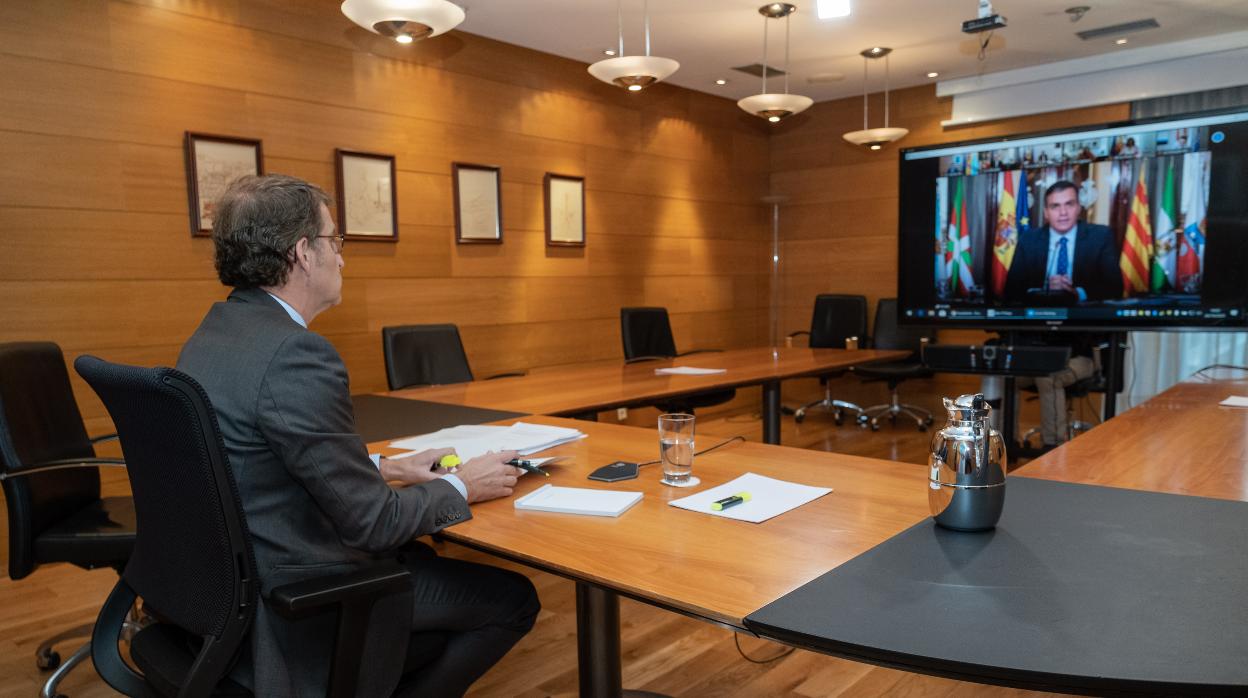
(1066, 256)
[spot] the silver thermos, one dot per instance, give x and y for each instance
(966, 489)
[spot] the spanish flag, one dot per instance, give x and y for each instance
(1007, 234)
(1137, 248)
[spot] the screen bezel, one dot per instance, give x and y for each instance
(1126, 325)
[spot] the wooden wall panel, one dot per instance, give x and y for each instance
(93, 208)
(839, 224)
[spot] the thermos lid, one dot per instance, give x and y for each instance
(968, 408)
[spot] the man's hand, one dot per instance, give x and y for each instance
(416, 468)
(1061, 283)
(488, 477)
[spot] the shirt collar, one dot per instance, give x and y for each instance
(294, 314)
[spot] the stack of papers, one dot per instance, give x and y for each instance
(688, 371)
(768, 497)
(578, 500)
(1235, 401)
(472, 440)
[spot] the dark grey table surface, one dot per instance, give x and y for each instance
(1080, 589)
(378, 417)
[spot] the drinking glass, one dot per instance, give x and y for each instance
(676, 433)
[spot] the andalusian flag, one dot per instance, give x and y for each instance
(1137, 248)
(1007, 233)
(959, 253)
(1164, 247)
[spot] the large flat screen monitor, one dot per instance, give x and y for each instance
(1133, 225)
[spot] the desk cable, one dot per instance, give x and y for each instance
(736, 639)
(1210, 367)
(725, 442)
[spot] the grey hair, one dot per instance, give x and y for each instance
(258, 222)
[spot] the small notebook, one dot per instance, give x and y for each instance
(578, 500)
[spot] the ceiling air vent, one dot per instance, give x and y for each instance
(756, 69)
(1119, 29)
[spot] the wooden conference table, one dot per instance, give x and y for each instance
(721, 570)
(582, 390)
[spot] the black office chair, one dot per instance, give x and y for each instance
(836, 319)
(193, 563)
(426, 355)
(51, 483)
(647, 336)
(890, 335)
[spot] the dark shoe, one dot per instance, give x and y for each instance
(1029, 451)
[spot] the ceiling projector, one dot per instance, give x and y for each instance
(986, 21)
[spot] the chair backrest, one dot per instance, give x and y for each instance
(40, 422)
(836, 318)
(888, 334)
(646, 332)
(192, 562)
(424, 355)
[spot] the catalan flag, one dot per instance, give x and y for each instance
(1137, 248)
(1006, 239)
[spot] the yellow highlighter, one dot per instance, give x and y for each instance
(730, 501)
(449, 462)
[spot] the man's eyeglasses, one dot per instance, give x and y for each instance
(336, 241)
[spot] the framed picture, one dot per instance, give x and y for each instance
(212, 162)
(478, 203)
(565, 210)
(367, 196)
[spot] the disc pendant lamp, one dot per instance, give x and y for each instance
(875, 138)
(774, 106)
(633, 73)
(404, 21)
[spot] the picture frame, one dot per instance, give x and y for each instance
(478, 203)
(368, 195)
(565, 210)
(212, 163)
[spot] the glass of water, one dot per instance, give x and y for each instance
(676, 449)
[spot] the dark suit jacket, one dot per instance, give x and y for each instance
(315, 504)
(1095, 266)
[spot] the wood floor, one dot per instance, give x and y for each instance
(662, 651)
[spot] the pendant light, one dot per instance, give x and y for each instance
(875, 138)
(774, 106)
(633, 73)
(404, 21)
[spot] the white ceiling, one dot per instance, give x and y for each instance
(709, 37)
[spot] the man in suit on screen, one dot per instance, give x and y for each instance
(1064, 257)
(316, 504)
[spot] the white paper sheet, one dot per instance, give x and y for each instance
(688, 371)
(472, 440)
(769, 497)
(578, 500)
(1235, 401)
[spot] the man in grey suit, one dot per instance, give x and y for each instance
(315, 502)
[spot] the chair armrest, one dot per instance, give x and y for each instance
(508, 375)
(700, 351)
(64, 464)
(103, 438)
(312, 595)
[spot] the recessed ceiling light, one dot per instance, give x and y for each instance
(721, 81)
(875, 146)
(831, 9)
(608, 52)
(404, 38)
(933, 74)
(1120, 42)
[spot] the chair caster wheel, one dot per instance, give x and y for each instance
(838, 420)
(799, 418)
(875, 426)
(47, 660)
(927, 422)
(922, 427)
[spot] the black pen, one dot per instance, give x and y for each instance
(528, 466)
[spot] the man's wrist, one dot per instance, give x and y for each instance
(458, 484)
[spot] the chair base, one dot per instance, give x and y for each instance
(48, 658)
(838, 408)
(871, 415)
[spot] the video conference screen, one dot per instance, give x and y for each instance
(1141, 224)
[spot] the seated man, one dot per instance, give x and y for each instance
(315, 503)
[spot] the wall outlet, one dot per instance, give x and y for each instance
(621, 413)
